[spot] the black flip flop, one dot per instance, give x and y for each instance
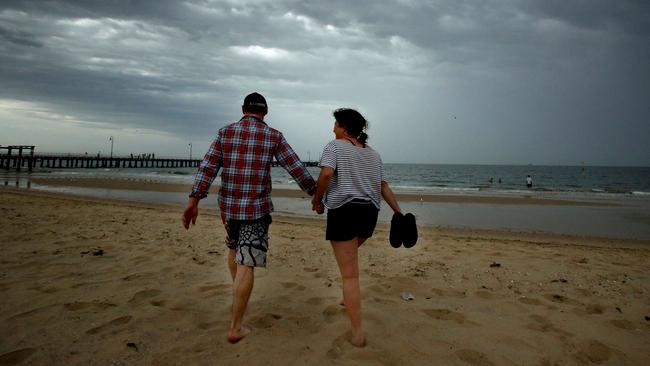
(396, 236)
(410, 231)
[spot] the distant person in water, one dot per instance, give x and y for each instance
(351, 185)
(244, 151)
(529, 182)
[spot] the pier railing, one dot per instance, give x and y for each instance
(68, 161)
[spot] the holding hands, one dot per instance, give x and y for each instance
(317, 205)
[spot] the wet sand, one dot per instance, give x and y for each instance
(138, 185)
(95, 281)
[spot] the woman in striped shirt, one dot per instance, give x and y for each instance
(350, 186)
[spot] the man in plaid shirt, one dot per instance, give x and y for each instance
(244, 151)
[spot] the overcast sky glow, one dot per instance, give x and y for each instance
(441, 81)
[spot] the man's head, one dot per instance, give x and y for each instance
(255, 103)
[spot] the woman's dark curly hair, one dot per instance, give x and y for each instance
(353, 122)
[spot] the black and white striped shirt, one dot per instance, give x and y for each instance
(358, 173)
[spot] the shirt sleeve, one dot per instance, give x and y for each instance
(208, 170)
(290, 161)
(328, 158)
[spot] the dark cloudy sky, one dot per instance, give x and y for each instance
(514, 82)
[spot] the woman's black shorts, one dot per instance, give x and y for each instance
(357, 218)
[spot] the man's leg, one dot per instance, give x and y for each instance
(241, 292)
(346, 253)
(232, 266)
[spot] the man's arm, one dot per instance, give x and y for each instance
(290, 161)
(324, 179)
(208, 170)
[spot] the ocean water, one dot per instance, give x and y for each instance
(623, 192)
(426, 178)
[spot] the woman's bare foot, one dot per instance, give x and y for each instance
(358, 340)
(235, 336)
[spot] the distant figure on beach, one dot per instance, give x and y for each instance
(351, 184)
(529, 182)
(244, 151)
(491, 180)
(499, 180)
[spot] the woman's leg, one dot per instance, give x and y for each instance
(347, 259)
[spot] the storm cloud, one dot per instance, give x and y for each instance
(514, 82)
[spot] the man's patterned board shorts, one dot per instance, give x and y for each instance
(250, 239)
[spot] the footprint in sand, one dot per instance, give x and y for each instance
(474, 358)
(445, 314)
(561, 299)
(314, 300)
(143, 295)
(590, 309)
(449, 293)
(113, 323)
(292, 285)
(16, 357)
(305, 323)
(543, 324)
(30, 313)
(138, 276)
(623, 324)
(485, 295)
(530, 301)
(338, 346)
(79, 305)
(208, 325)
(332, 312)
(266, 320)
(158, 303)
(219, 289)
(593, 352)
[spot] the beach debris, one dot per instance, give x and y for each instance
(647, 318)
(98, 252)
(583, 260)
(132, 345)
(495, 264)
(406, 296)
(85, 252)
(619, 310)
(563, 280)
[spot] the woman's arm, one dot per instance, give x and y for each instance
(322, 183)
(389, 197)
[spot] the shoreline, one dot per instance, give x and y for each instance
(140, 185)
(542, 238)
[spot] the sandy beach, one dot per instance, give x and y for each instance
(100, 282)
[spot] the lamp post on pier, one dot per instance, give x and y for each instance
(190, 145)
(111, 139)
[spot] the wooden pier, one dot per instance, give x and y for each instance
(19, 161)
(90, 162)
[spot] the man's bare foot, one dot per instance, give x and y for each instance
(358, 340)
(235, 336)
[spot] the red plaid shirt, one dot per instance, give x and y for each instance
(245, 150)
